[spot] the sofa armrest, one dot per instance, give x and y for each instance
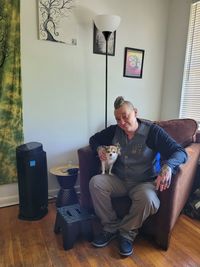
(174, 199)
(89, 165)
(198, 136)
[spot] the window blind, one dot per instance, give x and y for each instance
(190, 97)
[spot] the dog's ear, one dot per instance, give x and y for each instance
(118, 145)
(118, 148)
(106, 148)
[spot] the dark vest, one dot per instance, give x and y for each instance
(137, 162)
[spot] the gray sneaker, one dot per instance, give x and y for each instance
(103, 239)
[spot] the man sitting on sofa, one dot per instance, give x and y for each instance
(134, 174)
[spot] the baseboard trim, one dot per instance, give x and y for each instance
(14, 199)
(9, 201)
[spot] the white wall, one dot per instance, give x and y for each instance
(175, 56)
(63, 86)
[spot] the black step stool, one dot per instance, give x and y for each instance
(73, 221)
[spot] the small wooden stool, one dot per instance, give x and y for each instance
(73, 221)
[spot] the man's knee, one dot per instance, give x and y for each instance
(147, 198)
(155, 204)
(98, 182)
(150, 198)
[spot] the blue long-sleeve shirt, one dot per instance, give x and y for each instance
(138, 155)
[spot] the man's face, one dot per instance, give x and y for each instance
(126, 118)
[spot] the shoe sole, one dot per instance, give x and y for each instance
(126, 254)
(103, 245)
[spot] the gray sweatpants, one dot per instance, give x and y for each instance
(144, 203)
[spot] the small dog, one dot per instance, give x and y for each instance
(112, 153)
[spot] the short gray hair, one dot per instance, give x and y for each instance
(119, 101)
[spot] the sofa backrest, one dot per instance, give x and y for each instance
(182, 130)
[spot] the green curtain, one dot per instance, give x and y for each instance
(11, 127)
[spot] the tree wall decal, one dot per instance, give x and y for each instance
(51, 13)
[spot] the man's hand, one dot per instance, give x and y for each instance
(101, 153)
(163, 180)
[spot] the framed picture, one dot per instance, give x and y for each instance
(57, 22)
(99, 43)
(133, 62)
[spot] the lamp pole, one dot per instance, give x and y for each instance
(106, 24)
(106, 36)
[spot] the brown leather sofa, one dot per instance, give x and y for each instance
(160, 225)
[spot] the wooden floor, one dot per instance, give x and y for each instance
(34, 243)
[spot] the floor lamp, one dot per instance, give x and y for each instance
(106, 24)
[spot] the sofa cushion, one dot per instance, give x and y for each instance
(182, 130)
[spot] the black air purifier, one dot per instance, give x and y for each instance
(32, 181)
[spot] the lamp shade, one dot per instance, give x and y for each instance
(107, 23)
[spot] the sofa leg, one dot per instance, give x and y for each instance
(163, 241)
